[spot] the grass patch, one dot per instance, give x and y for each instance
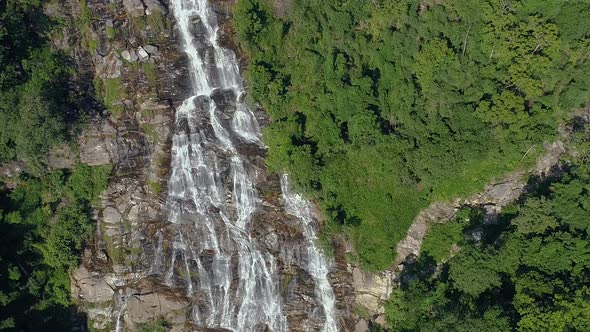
(149, 71)
(155, 187)
(111, 32)
(157, 325)
(111, 92)
(151, 26)
(150, 131)
(83, 23)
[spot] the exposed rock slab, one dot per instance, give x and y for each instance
(134, 8)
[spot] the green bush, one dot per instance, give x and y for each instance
(37, 109)
(43, 227)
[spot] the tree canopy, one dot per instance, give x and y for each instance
(44, 223)
(529, 272)
(380, 107)
(37, 106)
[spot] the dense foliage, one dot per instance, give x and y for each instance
(530, 272)
(43, 225)
(37, 106)
(380, 107)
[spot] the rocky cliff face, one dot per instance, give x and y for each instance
(129, 53)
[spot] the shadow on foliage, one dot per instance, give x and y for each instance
(417, 269)
(339, 215)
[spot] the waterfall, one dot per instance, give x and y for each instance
(317, 265)
(232, 282)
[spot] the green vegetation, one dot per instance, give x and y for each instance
(37, 110)
(83, 25)
(440, 238)
(44, 223)
(111, 32)
(380, 107)
(45, 219)
(153, 26)
(158, 325)
(529, 272)
(111, 92)
(155, 187)
(150, 73)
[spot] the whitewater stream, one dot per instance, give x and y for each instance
(233, 283)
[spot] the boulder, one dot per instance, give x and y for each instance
(134, 8)
(110, 65)
(142, 308)
(151, 49)
(154, 6)
(372, 290)
(129, 55)
(89, 288)
(142, 54)
(111, 215)
(96, 151)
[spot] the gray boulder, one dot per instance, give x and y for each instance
(129, 55)
(142, 54)
(151, 49)
(154, 6)
(134, 8)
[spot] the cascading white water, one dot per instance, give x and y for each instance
(232, 282)
(213, 210)
(317, 265)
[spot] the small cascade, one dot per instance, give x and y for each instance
(317, 264)
(122, 305)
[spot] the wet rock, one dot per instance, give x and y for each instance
(134, 8)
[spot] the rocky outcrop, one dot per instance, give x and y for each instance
(493, 198)
(140, 75)
(134, 8)
(372, 290)
(138, 8)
